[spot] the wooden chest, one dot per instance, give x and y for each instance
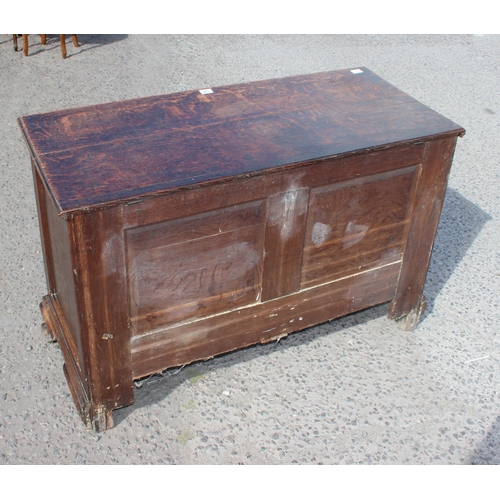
(179, 227)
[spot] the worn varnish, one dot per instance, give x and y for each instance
(179, 227)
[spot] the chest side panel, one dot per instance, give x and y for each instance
(63, 286)
(258, 258)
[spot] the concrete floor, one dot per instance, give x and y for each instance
(352, 391)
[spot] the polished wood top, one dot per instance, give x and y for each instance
(101, 155)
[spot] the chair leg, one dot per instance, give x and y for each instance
(63, 45)
(44, 39)
(75, 40)
(25, 44)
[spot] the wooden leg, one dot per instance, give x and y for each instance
(63, 45)
(43, 39)
(75, 40)
(408, 303)
(25, 44)
(96, 414)
(15, 42)
(410, 321)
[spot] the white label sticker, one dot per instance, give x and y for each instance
(356, 71)
(206, 91)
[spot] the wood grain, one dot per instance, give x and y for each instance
(194, 267)
(102, 295)
(357, 224)
(63, 285)
(284, 243)
(426, 211)
(141, 147)
(262, 322)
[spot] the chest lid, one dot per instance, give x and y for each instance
(96, 156)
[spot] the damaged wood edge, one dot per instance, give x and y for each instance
(58, 330)
(409, 322)
(295, 295)
(276, 338)
(150, 355)
(95, 419)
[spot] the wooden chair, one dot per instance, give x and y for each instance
(62, 38)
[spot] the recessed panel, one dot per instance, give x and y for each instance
(356, 225)
(194, 267)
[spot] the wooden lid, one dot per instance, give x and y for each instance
(101, 155)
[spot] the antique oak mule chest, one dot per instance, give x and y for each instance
(179, 227)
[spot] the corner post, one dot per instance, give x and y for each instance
(99, 244)
(409, 303)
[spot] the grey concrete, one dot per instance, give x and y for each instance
(352, 391)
